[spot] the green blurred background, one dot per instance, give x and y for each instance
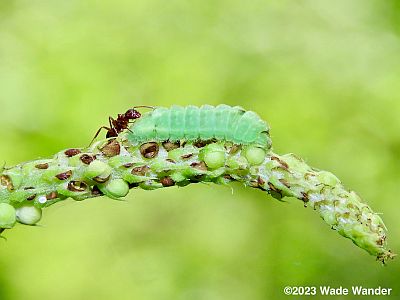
(324, 74)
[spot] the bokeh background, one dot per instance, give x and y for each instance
(324, 74)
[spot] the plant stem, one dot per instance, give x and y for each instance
(113, 166)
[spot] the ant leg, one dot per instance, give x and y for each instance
(129, 130)
(97, 133)
(111, 121)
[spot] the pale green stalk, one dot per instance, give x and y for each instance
(112, 167)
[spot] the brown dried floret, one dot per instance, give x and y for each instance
(5, 180)
(167, 181)
(149, 150)
(77, 186)
(87, 159)
(199, 166)
(72, 152)
(140, 171)
(52, 195)
(171, 145)
(112, 148)
(42, 166)
(65, 175)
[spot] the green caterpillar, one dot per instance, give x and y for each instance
(222, 122)
(180, 146)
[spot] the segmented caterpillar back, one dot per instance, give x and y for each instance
(223, 122)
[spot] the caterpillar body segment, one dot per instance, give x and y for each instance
(177, 123)
(222, 122)
(192, 121)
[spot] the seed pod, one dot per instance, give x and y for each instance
(254, 155)
(7, 215)
(213, 155)
(28, 214)
(116, 188)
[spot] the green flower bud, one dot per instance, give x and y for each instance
(7, 215)
(28, 214)
(329, 217)
(213, 155)
(117, 188)
(254, 155)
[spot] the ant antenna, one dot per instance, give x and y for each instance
(144, 106)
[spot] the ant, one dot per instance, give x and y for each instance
(121, 123)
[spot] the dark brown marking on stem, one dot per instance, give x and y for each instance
(149, 150)
(284, 182)
(305, 197)
(275, 191)
(197, 178)
(228, 177)
(199, 165)
(87, 159)
(186, 156)
(72, 152)
(254, 184)
(31, 197)
(308, 174)
(381, 240)
(202, 143)
(167, 181)
(99, 179)
(128, 165)
(170, 145)
(111, 148)
(140, 171)
(283, 164)
(258, 183)
(272, 187)
(235, 148)
(133, 185)
(170, 160)
(42, 166)
(5, 180)
(96, 191)
(51, 195)
(77, 186)
(65, 175)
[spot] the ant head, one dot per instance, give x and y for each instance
(132, 114)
